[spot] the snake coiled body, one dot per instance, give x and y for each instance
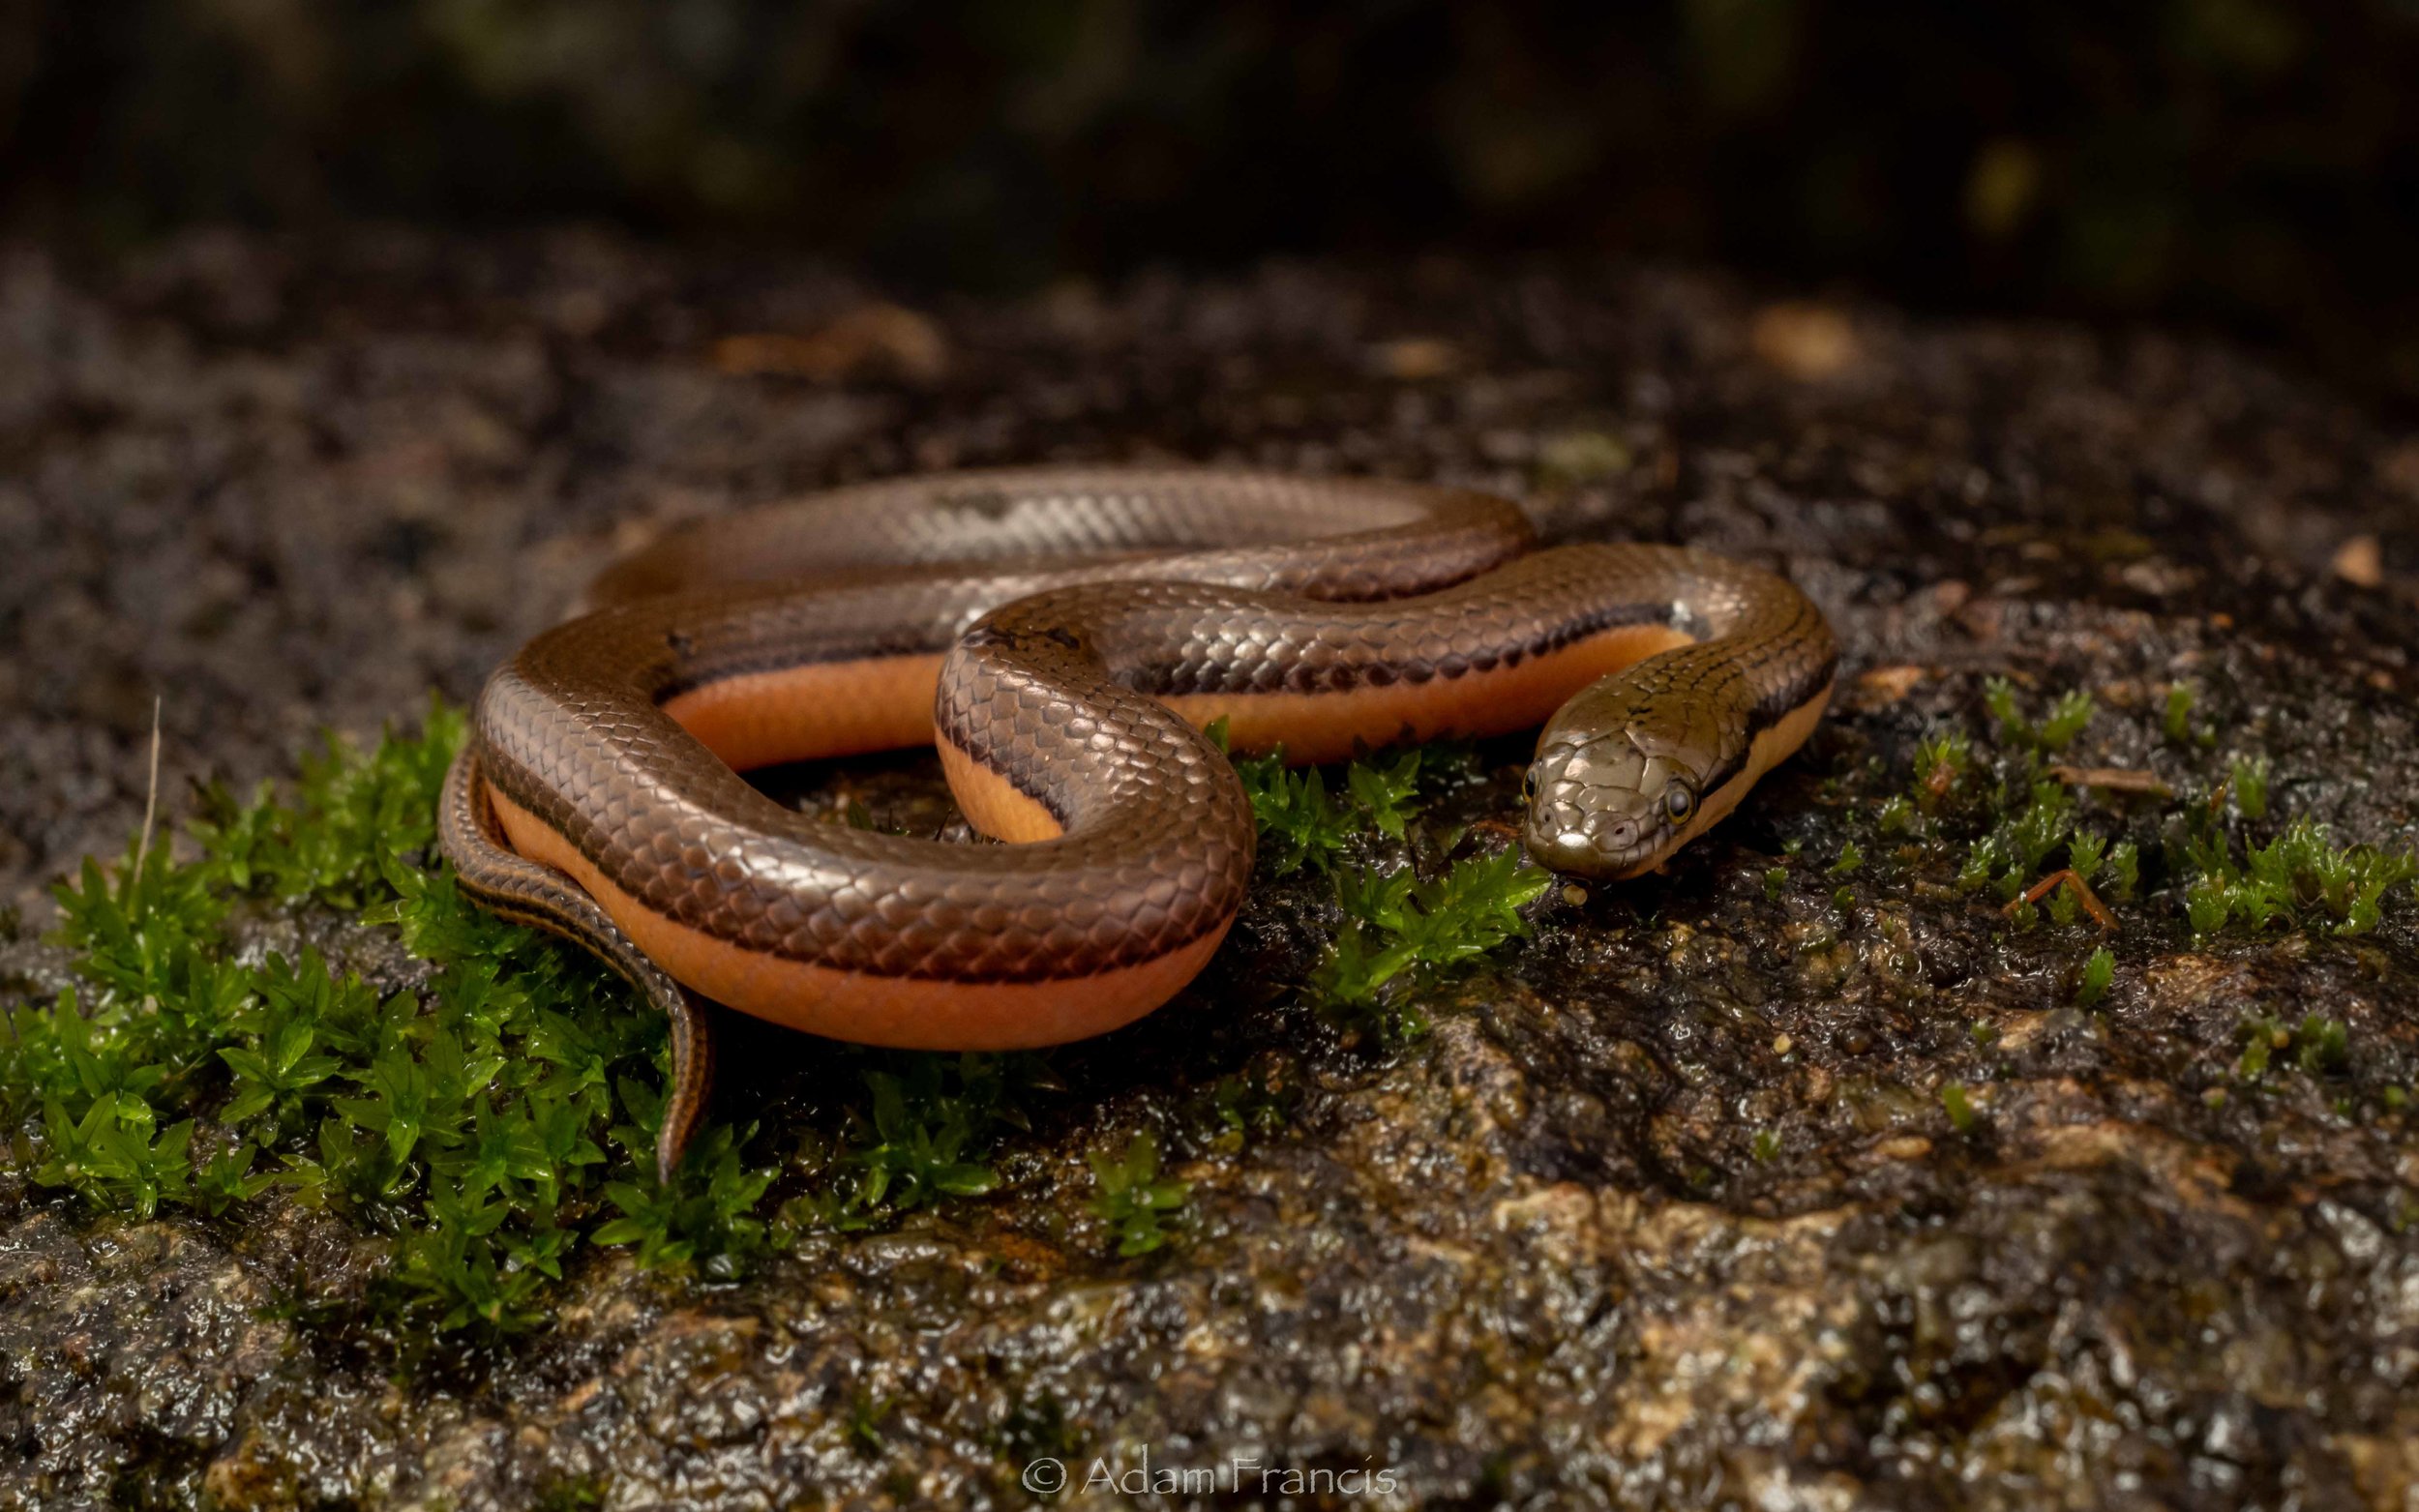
(1062, 636)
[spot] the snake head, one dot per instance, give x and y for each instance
(1617, 783)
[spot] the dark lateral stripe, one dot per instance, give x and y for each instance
(1345, 676)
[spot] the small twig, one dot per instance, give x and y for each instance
(2083, 894)
(2114, 779)
(151, 799)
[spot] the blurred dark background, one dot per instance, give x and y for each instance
(2251, 165)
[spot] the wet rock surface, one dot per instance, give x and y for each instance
(1673, 1208)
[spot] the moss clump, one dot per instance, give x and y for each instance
(487, 1123)
(927, 1132)
(482, 1122)
(2318, 1046)
(2177, 722)
(2099, 972)
(2043, 835)
(2069, 715)
(1132, 1199)
(1941, 760)
(2037, 851)
(2246, 780)
(1409, 920)
(494, 1119)
(2300, 877)
(1403, 929)
(1959, 1107)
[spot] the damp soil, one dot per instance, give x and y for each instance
(1669, 1207)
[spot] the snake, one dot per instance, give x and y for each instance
(1069, 639)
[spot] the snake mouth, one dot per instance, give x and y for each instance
(1599, 847)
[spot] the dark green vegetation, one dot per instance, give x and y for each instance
(2123, 857)
(492, 1119)
(1414, 907)
(1133, 1200)
(2039, 835)
(469, 1120)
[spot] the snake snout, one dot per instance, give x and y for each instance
(1600, 808)
(1597, 851)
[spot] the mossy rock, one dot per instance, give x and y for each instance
(1827, 1167)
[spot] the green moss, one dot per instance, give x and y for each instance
(2066, 720)
(2254, 1062)
(2301, 878)
(1302, 826)
(1403, 934)
(2318, 1046)
(493, 1119)
(1999, 697)
(2041, 828)
(1941, 760)
(1034, 1429)
(866, 1416)
(1959, 1107)
(704, 1219)
(2221, 878)
(468, 1120)
(2247, 779)
(351, 813)
(2178, 722)
(2206, 905)
(1132, 1199)
(929, 1131)
(2124, 872)
(2068, 714)
(2084, 852)
(2099, 972)
(571, 1493)
(1385, 792)
(2024, 844)
(2322, 1046)
(1237, 1109)
(114, 1155)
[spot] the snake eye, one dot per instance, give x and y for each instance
(1528, 786)
(1678, 801)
